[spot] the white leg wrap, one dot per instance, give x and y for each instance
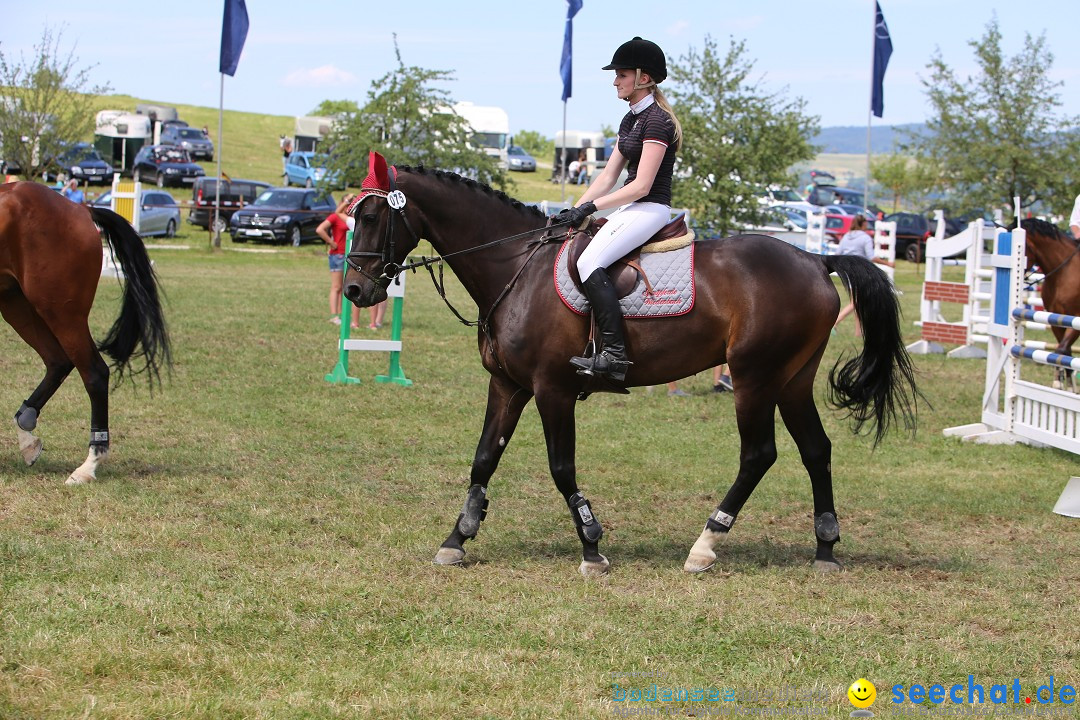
(702, 556)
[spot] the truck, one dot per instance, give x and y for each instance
(119, 135)
(311, 130)
(490, 129)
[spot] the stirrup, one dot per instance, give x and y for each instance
(602, 364)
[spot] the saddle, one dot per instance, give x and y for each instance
(624, 272)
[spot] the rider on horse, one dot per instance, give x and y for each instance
(649, 136)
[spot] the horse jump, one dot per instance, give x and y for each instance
(1015, 410)
(973, 294)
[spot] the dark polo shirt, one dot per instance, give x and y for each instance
(651, 124)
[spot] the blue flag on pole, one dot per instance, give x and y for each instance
(234, 28)
(882, 53)
(566, 65)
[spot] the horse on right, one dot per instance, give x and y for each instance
(1058, 256)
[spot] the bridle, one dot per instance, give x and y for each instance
(391, 269)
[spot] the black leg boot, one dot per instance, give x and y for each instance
(611, 362)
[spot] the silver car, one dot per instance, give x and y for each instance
(159, 215)
(191, 139)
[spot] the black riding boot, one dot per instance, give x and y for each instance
(611, 361)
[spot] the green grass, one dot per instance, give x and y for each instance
(259, 542)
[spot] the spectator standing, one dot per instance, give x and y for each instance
(333, 231)
(1074, 219)
(286, 150)
(73, 193)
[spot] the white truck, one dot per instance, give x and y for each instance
(490, 126)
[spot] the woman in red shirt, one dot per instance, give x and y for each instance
(333, 231)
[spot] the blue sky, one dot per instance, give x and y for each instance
(507, 53)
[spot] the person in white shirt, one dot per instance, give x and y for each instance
(1074, 219)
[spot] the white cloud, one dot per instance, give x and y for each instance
(320, 76)
(678, 28)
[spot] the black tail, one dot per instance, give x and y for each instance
(878, 384)
(140, 329)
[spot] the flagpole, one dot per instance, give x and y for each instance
(562, 170)
(215, 228)
(870, 100)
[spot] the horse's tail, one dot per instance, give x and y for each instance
(878, 384)
(140, 329)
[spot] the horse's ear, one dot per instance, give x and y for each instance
(377, 173)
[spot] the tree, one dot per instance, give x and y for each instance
(48, 105)
(535, 144)
(736, 137)
(999, 134)
(410, 122)
(336, 108)
(903, 177)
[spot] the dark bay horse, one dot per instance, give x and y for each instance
(50, 263)
(763, 307)
(1056, 255)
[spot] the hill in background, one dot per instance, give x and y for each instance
(851, 139)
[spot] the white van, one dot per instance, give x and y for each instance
(490, 129)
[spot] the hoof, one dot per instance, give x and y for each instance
(31, 451)
(827, 566)
(79, 477)
(593, 568)
(449, 556)
(699, 562)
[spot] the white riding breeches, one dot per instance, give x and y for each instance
(627, 228)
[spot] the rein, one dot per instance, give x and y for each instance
(1061, 265)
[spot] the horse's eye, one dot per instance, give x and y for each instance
(367, 218)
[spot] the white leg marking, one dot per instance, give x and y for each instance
(29, 445)
(85, 472)
(702, 557)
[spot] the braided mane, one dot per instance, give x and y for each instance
(1046, 229)
(447, 176)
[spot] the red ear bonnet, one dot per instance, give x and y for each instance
(377, 178)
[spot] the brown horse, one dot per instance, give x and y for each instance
(763, 307)
(50, 263)
(1055, 254)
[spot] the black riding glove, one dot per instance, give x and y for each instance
(576, 215)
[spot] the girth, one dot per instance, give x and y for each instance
(624, 272)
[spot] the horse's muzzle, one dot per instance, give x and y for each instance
(364, 293)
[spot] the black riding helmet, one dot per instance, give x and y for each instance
(639, 53)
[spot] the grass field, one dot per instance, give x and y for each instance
(259, 543)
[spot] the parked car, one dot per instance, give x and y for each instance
(871, 212)
(191, 139)
(165, 165)
(518, 159)
(173, 123)
(159, 214)
(833, 195)
(83, 163)
(837, 225)
(283, 215)
(309, 169)
(912, 231)
(235, 194)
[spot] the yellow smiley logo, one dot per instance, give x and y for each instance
(862, 693)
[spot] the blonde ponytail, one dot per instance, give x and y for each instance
(666, 107)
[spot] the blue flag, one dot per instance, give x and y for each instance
(882, 53)
(566, 65)
(234, 29)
